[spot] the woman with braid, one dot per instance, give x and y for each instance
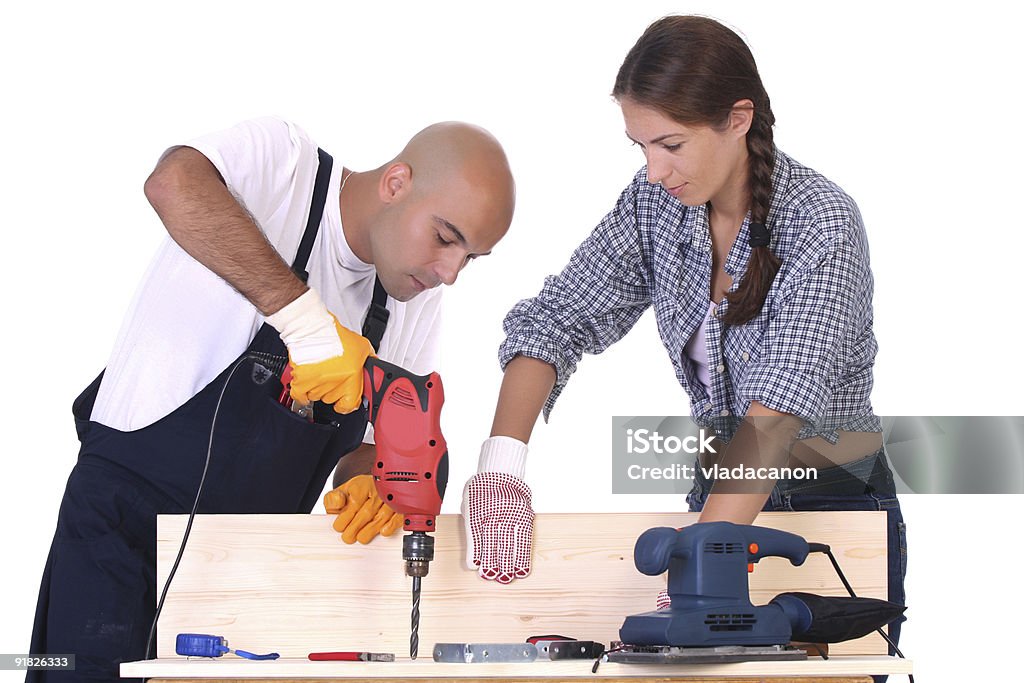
(757, 269)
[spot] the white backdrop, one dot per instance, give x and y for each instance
(913, 111)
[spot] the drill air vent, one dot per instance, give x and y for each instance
(401, 397)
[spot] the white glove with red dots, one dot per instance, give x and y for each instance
(497, 512)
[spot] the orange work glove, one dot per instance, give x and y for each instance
(327, 359)
(361, 514)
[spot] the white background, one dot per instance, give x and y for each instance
(914, 111)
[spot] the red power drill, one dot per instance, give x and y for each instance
(411, 471)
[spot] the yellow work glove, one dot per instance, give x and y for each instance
(361, 514)
(327, 359)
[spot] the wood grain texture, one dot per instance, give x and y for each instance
(286, 583)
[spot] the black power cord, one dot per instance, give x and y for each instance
(822, 548)
(195, 506)
(601, 657)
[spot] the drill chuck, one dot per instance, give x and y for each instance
(417, 551)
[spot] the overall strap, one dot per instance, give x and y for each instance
(377, 315)
(316, 212)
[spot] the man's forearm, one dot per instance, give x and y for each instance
(203, 217)
(524, 389)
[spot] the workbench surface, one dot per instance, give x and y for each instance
(287, 584)
(235, 668)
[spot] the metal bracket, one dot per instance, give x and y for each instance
(476, 653)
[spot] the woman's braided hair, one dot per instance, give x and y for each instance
(694, 69)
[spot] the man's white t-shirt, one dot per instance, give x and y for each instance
(186, 325)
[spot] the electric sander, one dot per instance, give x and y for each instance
(711, 618)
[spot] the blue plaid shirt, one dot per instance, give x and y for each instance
(809, 352)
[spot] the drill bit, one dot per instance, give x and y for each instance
(414, 638)
(417, 551)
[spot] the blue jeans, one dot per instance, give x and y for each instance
(864, 484)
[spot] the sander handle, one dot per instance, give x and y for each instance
(763, 542)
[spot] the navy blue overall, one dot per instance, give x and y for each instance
(97, 597)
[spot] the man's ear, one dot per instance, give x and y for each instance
(741, 117)
(395, 182)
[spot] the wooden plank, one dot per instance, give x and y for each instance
(286, 583)
(533, 672)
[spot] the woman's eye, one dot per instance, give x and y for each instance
(672, 148)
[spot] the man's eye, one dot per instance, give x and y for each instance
(441, 240)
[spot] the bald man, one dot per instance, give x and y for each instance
(276, 254)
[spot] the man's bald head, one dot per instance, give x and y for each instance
(447, 154)
(444, 200)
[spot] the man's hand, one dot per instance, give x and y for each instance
(361, 514)
(327, 359)
(497, 512)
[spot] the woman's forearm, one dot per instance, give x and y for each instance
(763, 440)
(524, 389)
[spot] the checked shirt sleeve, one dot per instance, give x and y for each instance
(819, 327)
(590, 305)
